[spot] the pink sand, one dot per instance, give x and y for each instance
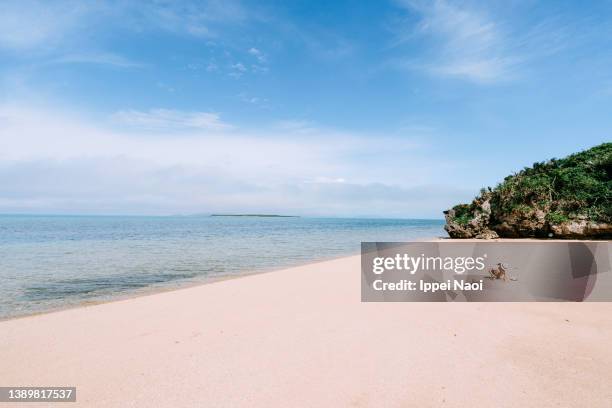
(300, 337)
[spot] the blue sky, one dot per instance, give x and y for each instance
(395, 109)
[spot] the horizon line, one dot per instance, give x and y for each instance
(16, 214)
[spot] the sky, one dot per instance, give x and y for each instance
(375, 109)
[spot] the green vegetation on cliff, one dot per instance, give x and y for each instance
(565, 197)
(580, 184)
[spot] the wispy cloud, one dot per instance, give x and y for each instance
(169, 120)
(254, 100)
(296, 126)
(32, 24)
(237, 70)
(101, 58)
(235, 64)
(466, 42)
(45, 25)
(257, 54)
(274, 169)
(199, 19)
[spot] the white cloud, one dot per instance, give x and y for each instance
(467, 43)
(237, 70)
(466, 40)
(239, 67)
(327, 180)
(170, 120)
(254, 100)
(101, 58)
(479, 70)
(198, 19)
(44, 25)
(51, 161)
(257, 54)
(29, 24)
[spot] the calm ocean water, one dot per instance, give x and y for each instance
(49, 262)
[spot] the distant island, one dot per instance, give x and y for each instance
(254, 215)
(559, 198)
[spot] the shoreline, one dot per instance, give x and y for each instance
(150, 291)
(283, 337)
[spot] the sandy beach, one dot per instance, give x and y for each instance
(300, 337)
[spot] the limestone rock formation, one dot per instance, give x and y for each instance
(560, 198)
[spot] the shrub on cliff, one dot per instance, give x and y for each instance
(569, 197)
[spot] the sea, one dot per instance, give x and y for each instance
(54, 262)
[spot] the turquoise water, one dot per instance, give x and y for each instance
(49, 262)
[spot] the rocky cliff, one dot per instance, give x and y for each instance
(560, 198)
